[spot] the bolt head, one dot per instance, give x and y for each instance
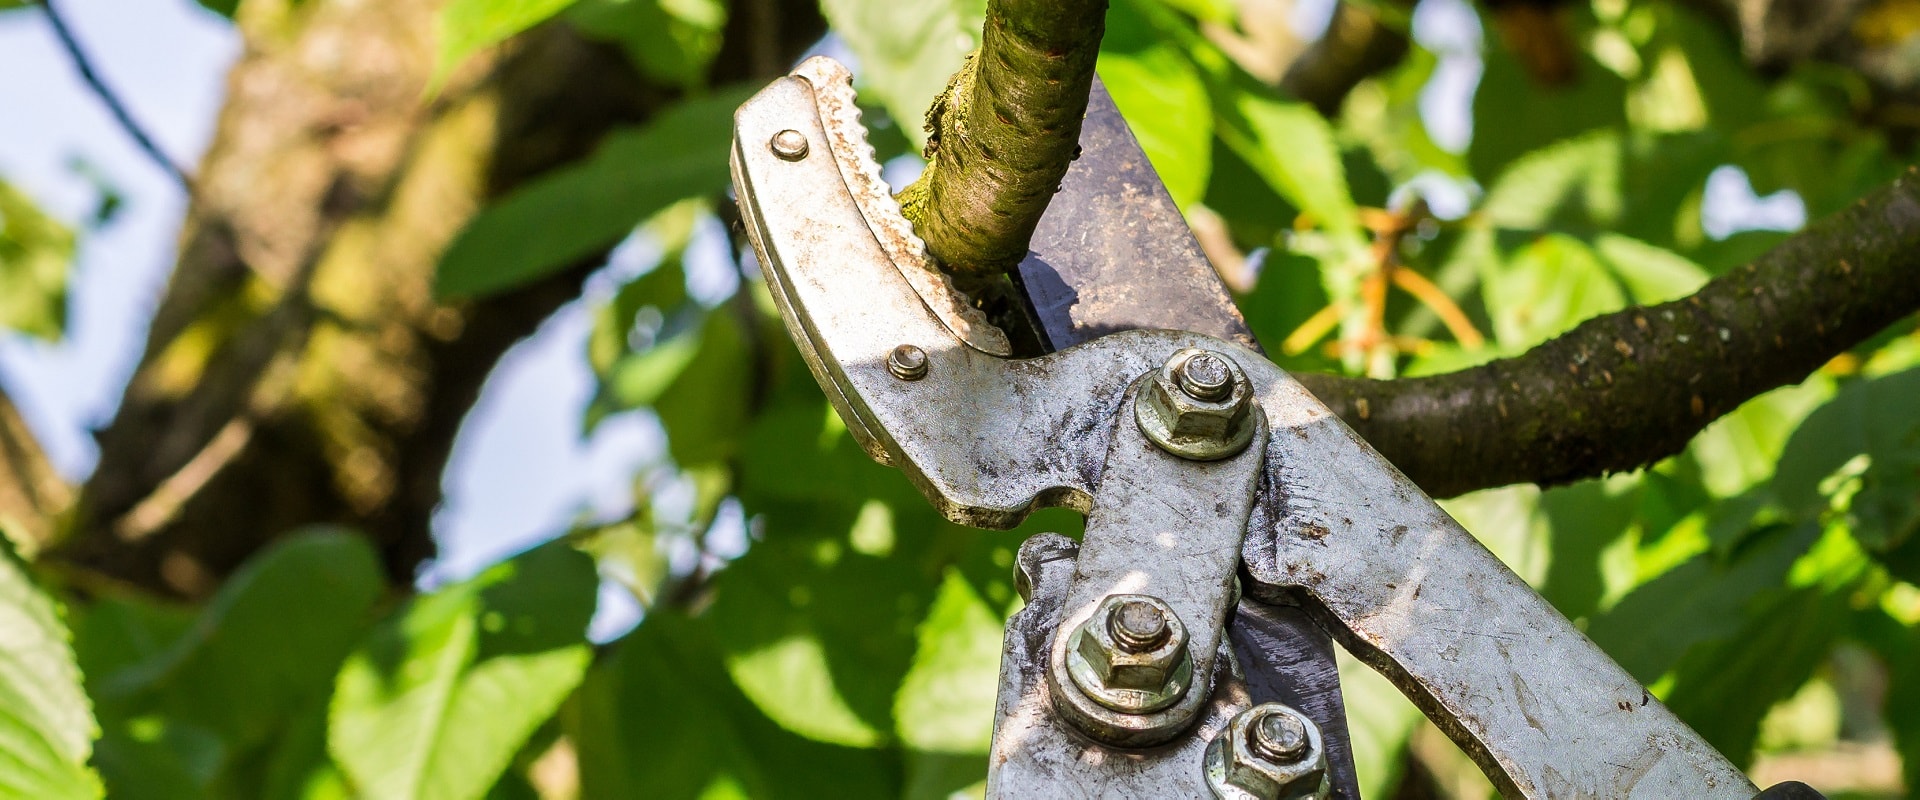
(1138, 626)
(1270, 752)
(1206, 377)
(1173, 411)
(908, 363)
(1280, 737)
(789, 145)
(1114, 664)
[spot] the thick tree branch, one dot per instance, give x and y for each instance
(107, 97)
(1627, 389)
(1004, 131)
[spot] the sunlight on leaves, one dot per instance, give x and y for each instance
(46, 722)
(36, 252)
(436, 701)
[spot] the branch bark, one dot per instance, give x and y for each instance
(1004, 132)
(32, 495)
(1624, 390)
(1356, 46)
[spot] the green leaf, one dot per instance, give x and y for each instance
(268, 643)
(945, 704)
(35, 252)
(467, 26)
(224, 8)
(573, 212)
(436, 702)
(1585, 519)
(1868, 438)
(640, 379)
(817, 632)
(1292, 147)
(1159, 90)
(672, 41)
(1514, 114)
(1531, 191)
(1899, 645)
(1546, 288)
(1705, 599)
(1651, 274)
(907, 51)
(46, 722)
(1740, 450)
(1725, 689)
(704, 410)
(658, 719)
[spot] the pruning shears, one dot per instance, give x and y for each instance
(1235, 527)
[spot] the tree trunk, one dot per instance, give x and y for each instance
(299, 370)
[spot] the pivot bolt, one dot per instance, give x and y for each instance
(908, 363)
(789, 145)
(1131, 655)
(1199, 406)
(1280, 737)
(1205, 376)
(1138, 626)
(1268, 752)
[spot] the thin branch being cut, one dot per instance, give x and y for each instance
(1003, 133)
(1627, 389)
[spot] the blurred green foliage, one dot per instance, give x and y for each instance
(850, 648)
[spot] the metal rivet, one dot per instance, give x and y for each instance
(789, 144)
(1279, 736)
(1138, 626)
(908, 363)
(1206, 376)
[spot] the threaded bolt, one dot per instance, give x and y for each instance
(1206, 377)
(1279, 736)
(1138, 626)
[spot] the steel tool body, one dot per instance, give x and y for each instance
(1235, 527)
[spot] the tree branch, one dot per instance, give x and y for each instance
(112, 101)
(1624, 390)
(32, 495)
(1356, 46)
(1003, 133)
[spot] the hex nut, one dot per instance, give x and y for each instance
(1268, 752)
(1135, 677)
(1171, 415)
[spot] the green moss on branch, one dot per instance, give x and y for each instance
(1004, 132)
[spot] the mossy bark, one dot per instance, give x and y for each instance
(1004, 132)
(298, 369)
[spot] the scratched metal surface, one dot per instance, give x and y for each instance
(1075, 767)
(1113, 253)
(1171, 528)
(1336, 528)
